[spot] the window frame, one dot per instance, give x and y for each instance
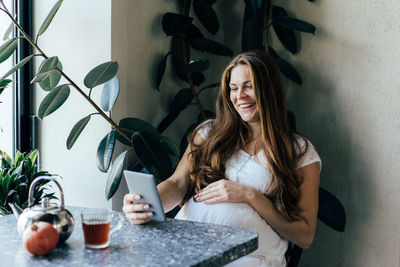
(26, 122)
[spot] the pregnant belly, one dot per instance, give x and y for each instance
(233, 214)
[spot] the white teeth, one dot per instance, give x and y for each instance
(245, 105)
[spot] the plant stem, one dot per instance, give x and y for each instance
(99, 110)
(267, 7)
(189, 78)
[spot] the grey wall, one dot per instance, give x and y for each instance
(347, 106)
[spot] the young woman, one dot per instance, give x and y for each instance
(247, 168)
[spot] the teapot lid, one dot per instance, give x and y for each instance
(45, 206)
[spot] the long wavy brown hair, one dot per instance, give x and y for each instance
(229, 132)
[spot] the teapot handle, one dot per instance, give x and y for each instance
(30, 196)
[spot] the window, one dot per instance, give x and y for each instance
(7, 97)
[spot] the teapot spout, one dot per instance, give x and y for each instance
(17, 210)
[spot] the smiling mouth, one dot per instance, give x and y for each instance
(246, 105)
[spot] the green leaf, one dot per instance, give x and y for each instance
(197, 65)
(285, 35)
(101, 74)
(32, 156)
(115, 173)
(8, 32)
(180, 101)
(110, 94)
(206, 15)
(294, 24)
(252, 30)
(173, 23)
(204, 44)
(4, 84)
(180, 47)
(170, 145)
(105, 151)
(161, 70)
(286, 68)
(152, 154)
(49, 64)
(49, 17)
(76, 131)
(53, 100)
(131, 125)
(16, 67)
(7, 49)
(48, 76)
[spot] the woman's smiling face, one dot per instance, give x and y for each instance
(242, 94)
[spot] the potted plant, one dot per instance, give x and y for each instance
(16, 176)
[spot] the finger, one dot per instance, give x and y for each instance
(131, 197)
(139, 216)
(131, 208)
(214, 200)
(208, 195)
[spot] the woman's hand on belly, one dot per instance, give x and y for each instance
(224, 191)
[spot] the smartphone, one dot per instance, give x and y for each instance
(145, 185)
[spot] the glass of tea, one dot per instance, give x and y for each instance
(96, 224)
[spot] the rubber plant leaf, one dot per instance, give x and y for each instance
(16, 67)
(101, 74)
(122, 162)
(110, 94)
(181, 100)
(286, 68)
(105, 151)
(161, 70)
(4, 84)
(114, 176)
(152, 154)
(76, 131)
(48, 76)
(285, 35)
(8, 32)
(197, 65)
(49, 17)
(192, 32)
(173, 24)
(180, 47)
(294, 24)
(252, 30)
(206, 15)
(208, 45)
(170, 145)
(131, 125)
(7, 49)
(53, 100)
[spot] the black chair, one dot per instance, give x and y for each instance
(331, 212)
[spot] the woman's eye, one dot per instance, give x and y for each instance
(248, 87)
(233, 88)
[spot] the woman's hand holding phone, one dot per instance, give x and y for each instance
(136, 213)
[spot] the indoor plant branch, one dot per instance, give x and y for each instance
(33, 44)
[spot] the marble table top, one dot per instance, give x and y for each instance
(170, 243)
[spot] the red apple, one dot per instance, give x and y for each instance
(40, 238)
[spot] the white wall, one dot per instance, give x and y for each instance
(80, 35)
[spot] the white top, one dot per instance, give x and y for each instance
(251, 171)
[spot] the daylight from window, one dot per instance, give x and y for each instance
(6, 98)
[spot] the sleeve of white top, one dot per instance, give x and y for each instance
(310, 156)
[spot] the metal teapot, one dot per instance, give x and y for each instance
(58, 216)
